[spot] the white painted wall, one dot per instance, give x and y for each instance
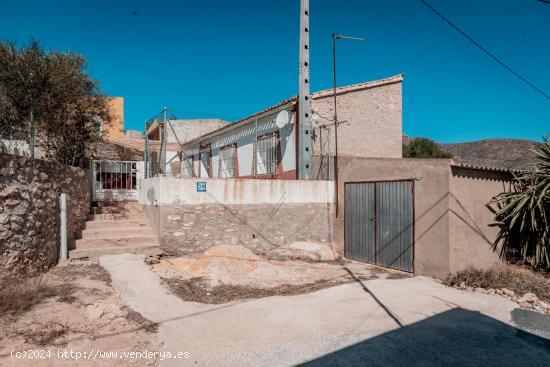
(183, 191)
(244, 136)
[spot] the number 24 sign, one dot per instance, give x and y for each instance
(201, 186)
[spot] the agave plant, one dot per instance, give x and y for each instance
(523, 213)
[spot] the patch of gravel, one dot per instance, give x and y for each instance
(198, 290)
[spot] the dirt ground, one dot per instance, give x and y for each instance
(226, 273)
(76, 310)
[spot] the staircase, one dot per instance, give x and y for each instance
(115, 227)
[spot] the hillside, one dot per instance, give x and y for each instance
(501, 153)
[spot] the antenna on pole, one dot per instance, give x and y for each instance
(304, 103)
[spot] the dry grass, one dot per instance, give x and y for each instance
(49, 334)
(142, 322)
(19, 295)
(89, 271)
(196, 290)
(520, 280)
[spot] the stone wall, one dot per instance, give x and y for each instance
(370, 120)
(260, 227)
(259, 214)
(29, 211)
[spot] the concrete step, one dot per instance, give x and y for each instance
(120, 216)
(117, 232)
(93, 224)
(117, 203)
(117, 210)
(112, 243)
(94, 253)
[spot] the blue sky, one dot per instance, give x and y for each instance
(228, 59)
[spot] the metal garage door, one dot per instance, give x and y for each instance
(379, 223)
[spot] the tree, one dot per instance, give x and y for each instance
(523, 213)
(424, 148)
(64, 100)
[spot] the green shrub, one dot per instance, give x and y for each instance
(424, 148)
(523, 213)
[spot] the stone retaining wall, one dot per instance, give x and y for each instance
(29, 211)
(259, 227)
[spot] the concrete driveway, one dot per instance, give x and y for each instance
(406, 322)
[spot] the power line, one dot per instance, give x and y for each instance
(499, 61)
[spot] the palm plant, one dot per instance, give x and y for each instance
(523, 213)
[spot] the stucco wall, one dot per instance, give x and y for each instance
(183, 191)
(471, 233)
(431, 185)
(452, 228)
(29, 211)
(258, 214)
(245, 136)
(370, 121)
(116, 110)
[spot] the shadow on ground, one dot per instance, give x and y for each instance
(454, 338)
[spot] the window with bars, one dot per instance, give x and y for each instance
(187, 167)
(266, 154)
(228, 157)
(205, 161)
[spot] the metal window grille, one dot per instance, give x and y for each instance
(227, 161)
(115, 175)
(187, 167)
(205, 158)
(266, 154)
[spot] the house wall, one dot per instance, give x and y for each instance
(244, 136)
(370, 121)
(258, 214)
(29, 211)
(116, 110)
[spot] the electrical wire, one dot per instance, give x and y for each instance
(499, 61)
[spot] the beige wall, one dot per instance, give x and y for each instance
(471, 233)
(452, 225)
(116, 127)
(370, 120)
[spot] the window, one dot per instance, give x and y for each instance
(205, 161)
(227, 162)
(266, 155)
(187, 167)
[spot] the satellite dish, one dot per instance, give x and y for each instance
(282, 119)
(315, 119)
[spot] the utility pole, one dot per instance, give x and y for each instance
(304, 103)
(31, 119)
(164, 140)
(33, 127)
(335, 37)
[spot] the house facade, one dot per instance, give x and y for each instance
(264, 145)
